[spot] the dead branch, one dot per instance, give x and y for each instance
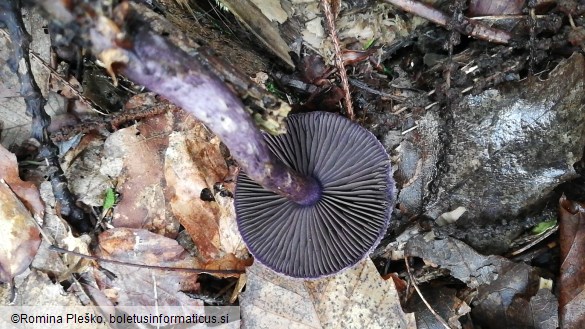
(468, 27)
(19, 63)
(338, 57)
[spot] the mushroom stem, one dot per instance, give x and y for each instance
(152, 61)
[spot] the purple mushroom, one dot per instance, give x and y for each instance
(333, 228)
(309, 203)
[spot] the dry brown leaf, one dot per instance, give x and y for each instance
(194, 162)
(356, 298)
(228, 262)
(135, 286)
(572, 279)
(20, 235)
(135, 156)
(27, 192)
(162, 165)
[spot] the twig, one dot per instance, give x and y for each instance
(111, 122)
(536, 241)
(409, 130)
(338, 57)
(574, 27)
(437, 316)
(532, 40)
(468, 27)
(152, 267)
(365, 87)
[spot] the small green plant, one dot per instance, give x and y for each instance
(370, 43)
(110, 199)
(271, 87)
(543, 226)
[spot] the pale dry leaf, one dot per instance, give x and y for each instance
(229, 237)
(141, 286)
(27, 192)
(39, 290)
(134, 155)
(193, 162)
(186, 181)
(272, 9)
(21, 237)
(355, 298)
(82, 166)
(17, 124)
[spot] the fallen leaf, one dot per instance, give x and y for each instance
(161, 167)
(38, 289)
(444, 302)
(228, 262)
(136, 286)
(194, 162)
(356, 298)
(540, 311)
(21, 237)
(135, 156)
(27, 192)
(16, 123)
(58, 232)
(500, 163)
(464, 263)
(83, 165)
(572, 277)
(504, 289)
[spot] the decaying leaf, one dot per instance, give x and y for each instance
(16, 124)
(193, 163)
(260, 25)
(20, 235)
(135, 156)
(504, 154)
(169, 169)
(356, 298)
(27, 192)
(146, 287)
(572, 279)
(38, 289)
(464, 263)
(84, 167)
(444, 301)
(58, 232)
(505, 289)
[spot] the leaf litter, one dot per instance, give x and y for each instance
(172, 177)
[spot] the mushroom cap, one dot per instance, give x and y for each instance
(348, 220)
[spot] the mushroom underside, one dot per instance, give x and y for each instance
(344, 224)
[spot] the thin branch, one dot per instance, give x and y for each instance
(338, 57)
(437, 316)
(469, 27)
(152, 267)
(19, 63)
